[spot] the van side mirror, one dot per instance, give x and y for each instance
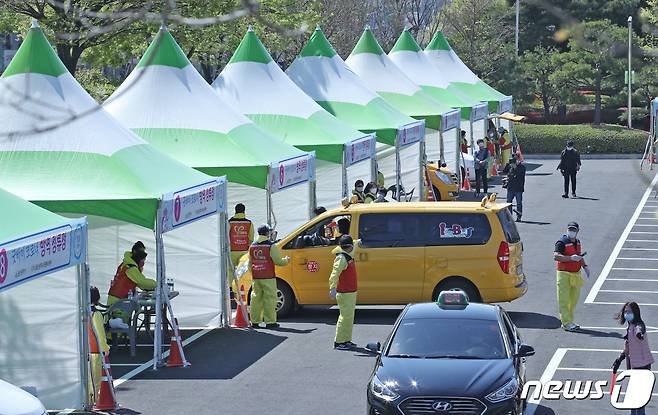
(525, 351)
(374, 347)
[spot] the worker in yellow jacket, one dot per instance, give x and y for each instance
(95, 357)
(129, 276)
(343, 288)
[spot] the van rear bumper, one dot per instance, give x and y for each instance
(498, 295)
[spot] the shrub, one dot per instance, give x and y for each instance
(604, 139)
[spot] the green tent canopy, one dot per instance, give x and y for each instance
(167, 103)
(409, 57)
(380, 74)
(461, 79)
(59, 149)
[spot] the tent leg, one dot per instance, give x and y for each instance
(157, 332)
(422, 160)
(441, 148)
(398, 170)
(312, 198)
(458, 152)
(374, 168)
(344, 185)
(84, 304)
(268, 203)
(224, 284)
(470, 126)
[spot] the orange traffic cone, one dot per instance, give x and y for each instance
(240, 321)
(466, 185)
(175, 357)
(106, 401)
(494, 168)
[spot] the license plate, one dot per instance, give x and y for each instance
(519, 269)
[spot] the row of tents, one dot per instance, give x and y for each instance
(165, 155)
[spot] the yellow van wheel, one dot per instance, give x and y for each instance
(460, 283)
(285, 299)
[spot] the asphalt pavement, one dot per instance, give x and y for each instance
(294, 369)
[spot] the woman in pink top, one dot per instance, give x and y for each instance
(637, 352)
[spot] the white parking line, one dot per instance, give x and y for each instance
(548, 374)
(629, 291)
(613, 303)
(634, 269)
(639, 259)
(590, 369)
(641, 240)
(620, 244)
(648, 233)
(639, 249)
(632, 279)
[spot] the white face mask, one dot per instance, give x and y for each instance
(359, 189)
(572, 234)
(481, 145)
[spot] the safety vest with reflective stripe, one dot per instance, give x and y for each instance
(262, 265)
(347, 280)
(121, 284)
(239, 234)
(93, 341)
(570, 248)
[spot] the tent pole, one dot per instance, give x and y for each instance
(157, 332)
(84, 304)
(422, 160)
(398, 169)
(224, 284)
(470, 127)
(312, 198)
(486, 126)
(374, 168)
(345, 188)
(268, 198)
(441, 147)
(458, 170)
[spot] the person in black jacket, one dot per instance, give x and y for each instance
(569, 166)
(481, 158)
(515, 171)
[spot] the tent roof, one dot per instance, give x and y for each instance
(59, 149)
(21, 218)
(380, 74)
(172, 107)
(409, 57)
(460, 77)
(257, 87)
(325, 77)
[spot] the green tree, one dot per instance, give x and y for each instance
(538, 66)
(95, 83)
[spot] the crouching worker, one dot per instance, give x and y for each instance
(129, 276)
(96, 338)
(342, 288)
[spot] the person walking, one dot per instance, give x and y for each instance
(343, 289)
(240, 234)
(263, 256)
(569, 166)
(570, 260)
(637, 352)
(515, 171)
(481, 160)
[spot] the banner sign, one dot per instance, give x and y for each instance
(291, 172)
(654, 115)
(193, 203)
(505, 105)
(360, 149)
(450, 120)
(42, 253)
(411, 133)
(479, 111)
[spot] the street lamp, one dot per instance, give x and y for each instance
(516, 31)
(630, 73)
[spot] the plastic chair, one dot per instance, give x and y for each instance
(130, 309)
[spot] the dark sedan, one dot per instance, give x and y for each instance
(449, 357)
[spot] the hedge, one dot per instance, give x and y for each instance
(606, 138)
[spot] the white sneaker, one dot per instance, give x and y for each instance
(570, 327)
(117, 323)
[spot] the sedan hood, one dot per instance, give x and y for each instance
(446, 377)
(15, 401)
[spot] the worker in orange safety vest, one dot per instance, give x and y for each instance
(240, 234)
(129, 276)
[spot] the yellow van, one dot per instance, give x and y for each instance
(409, 252)
(444, 182)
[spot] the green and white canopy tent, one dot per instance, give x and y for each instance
(461, 79)
(379, 73)
(44, 343)
(325, 77)
(256, 86)
(409, 57)
(167, 103)
(62, 151)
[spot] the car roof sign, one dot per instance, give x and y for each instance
(452, 297)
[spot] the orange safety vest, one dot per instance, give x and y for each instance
(93, 342)
(262, 265)
(570, 248)
(347, 281)
(239, 234)
(121, 284)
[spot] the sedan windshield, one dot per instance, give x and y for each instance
(448, 339)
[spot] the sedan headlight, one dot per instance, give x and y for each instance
(443, 177)
(383, 390)
(506, 391)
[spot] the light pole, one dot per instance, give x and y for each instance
(630, 73)
(516, 31)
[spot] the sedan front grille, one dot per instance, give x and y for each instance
(442, 406)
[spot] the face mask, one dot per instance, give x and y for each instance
(629, 317)
(481, 145)
(359, 189)
(572, 234)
